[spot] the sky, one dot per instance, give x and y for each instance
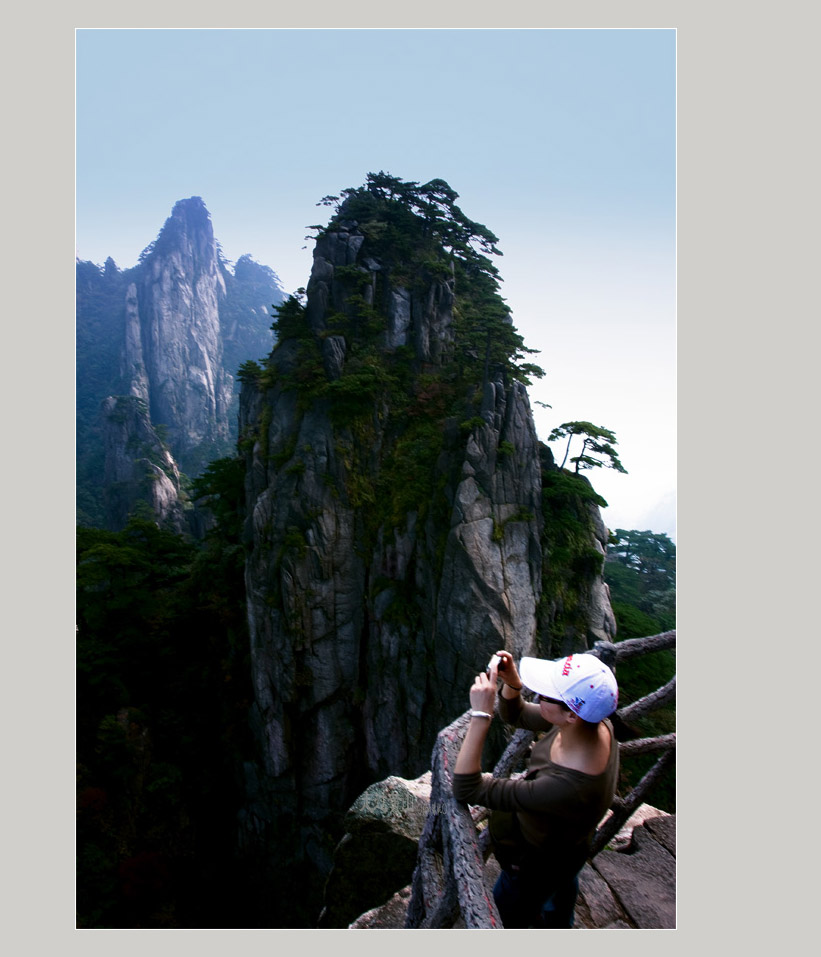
(561, 142)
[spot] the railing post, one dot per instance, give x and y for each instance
(606, 652)
(461, 888)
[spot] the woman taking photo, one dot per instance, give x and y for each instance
(542, 824)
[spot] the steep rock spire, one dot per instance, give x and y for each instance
(178, 309)
(395, 526)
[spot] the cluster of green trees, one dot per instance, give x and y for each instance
(571, 559)
(640, 570)
(163, 735)
(100, 330)
(387, 204)
(419, 233)
(641, 573)
(163, 692)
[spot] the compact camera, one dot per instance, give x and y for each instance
(493, 663)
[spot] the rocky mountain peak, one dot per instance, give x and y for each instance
(188, 216)
(187, 237)
(395, 528)
(171, 332)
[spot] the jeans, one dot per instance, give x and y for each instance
(526, 900)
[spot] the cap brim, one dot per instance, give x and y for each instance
(540, 676)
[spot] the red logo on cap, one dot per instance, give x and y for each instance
(566, 668)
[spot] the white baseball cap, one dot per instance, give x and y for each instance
(585, 684)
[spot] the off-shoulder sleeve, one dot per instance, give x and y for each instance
(464, 786)
(547, 794)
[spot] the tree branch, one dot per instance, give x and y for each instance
(656, 699)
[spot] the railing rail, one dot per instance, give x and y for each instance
(448, 880)
(622, 808)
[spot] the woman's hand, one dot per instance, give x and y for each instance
(507, 672)
(483, 692)
(482, 698)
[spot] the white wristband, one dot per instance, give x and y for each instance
(481, 714)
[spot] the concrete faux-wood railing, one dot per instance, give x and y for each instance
(448, 878)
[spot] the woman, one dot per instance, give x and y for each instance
(542, 823)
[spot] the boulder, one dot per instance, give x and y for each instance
(377, 854)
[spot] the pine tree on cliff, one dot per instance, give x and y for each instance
(597, 446)
(419, 232)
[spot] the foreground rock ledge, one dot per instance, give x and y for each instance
(633, 887)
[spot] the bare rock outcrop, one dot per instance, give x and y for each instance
(174, 347)
(378, 850)
(634, 886)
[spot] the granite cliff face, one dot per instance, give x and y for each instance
(170, 332)
(395, 532)
(173, 353)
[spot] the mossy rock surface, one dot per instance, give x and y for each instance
(377, 855)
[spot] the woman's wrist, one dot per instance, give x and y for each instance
(514, 691)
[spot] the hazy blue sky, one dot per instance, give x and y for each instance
(562, 142)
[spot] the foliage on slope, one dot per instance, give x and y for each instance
(641, 572)
(100, 338)
(420, 234)
(162, 697)
(572, 559)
